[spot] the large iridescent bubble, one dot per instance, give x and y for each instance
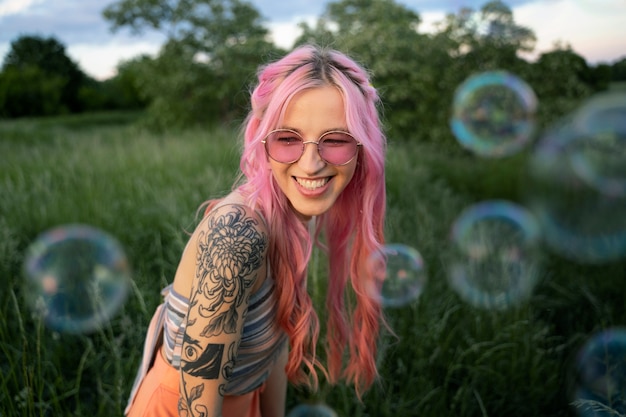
(493, 114)
(76, 278)
(598, 155)
(494, 263)
(576, 182)
(601, 375)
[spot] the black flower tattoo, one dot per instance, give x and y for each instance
(229, 252)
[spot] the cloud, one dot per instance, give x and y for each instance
(285, 33)
(285, 11)
(80, 26)
(9, 7)
(452, 6)
(594, 28)
(70, 21)
(101, 62)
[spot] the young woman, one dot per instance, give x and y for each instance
(237, 323)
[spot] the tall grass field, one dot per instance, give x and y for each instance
(448, 358)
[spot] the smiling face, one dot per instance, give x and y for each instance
(310, 184)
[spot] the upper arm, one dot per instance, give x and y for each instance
(230, 250)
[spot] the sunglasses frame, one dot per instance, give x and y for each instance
(343, 132)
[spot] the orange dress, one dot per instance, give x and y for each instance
(158, 396)
(155, 390)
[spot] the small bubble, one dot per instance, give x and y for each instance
(400, 274)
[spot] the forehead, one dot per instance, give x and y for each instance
(316, 110)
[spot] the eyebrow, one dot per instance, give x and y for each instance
(334, 129)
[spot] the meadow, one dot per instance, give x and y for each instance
(448, 359)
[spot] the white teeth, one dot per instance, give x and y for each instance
(312, 184)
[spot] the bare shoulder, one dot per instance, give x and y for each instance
(233, 207)
(233, 239)
(234, 218)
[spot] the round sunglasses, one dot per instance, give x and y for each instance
(335, 147)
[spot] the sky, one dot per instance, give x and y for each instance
(595, 29)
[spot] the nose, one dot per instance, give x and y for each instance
(311, 161)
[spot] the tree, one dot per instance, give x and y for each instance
(488, 38)
(405, 64)
(28, 91)
(117, 93)
(49, 57)
(618, 70)
(558, 78)
(600, 76)
(213, 47)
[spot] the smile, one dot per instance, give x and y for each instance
(312, 184)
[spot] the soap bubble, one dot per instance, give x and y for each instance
(312, 410)
(400, 273)
(576, 197)
(601, 375)
(598, 151)
(494, 263)
(493, 114)
(76, 278)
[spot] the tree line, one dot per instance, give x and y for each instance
(39, 79)
(205, 67)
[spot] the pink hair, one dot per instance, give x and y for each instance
(353, 227)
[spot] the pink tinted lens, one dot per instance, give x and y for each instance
(336, 148)
(284, 146)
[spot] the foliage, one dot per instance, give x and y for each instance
(29, 91)
(202, 73)
(418, 73)
(213, 47)
(120, 92)
(491, 28)
(96, 174)
(558, 78)
(39, 79)
(48, 55)
(405, 64)
(618, 70)
(40, 58)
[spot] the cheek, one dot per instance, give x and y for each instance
(354, 166)
(349, 174)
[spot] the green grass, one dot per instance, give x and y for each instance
(449, 359)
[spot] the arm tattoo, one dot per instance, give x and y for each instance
(230, 252)
(184, 404)
(204, 363)
(229, 366)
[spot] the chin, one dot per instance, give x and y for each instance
(308, 212)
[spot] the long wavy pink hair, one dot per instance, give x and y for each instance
(353, 227)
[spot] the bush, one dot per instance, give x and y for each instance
(30, 92)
